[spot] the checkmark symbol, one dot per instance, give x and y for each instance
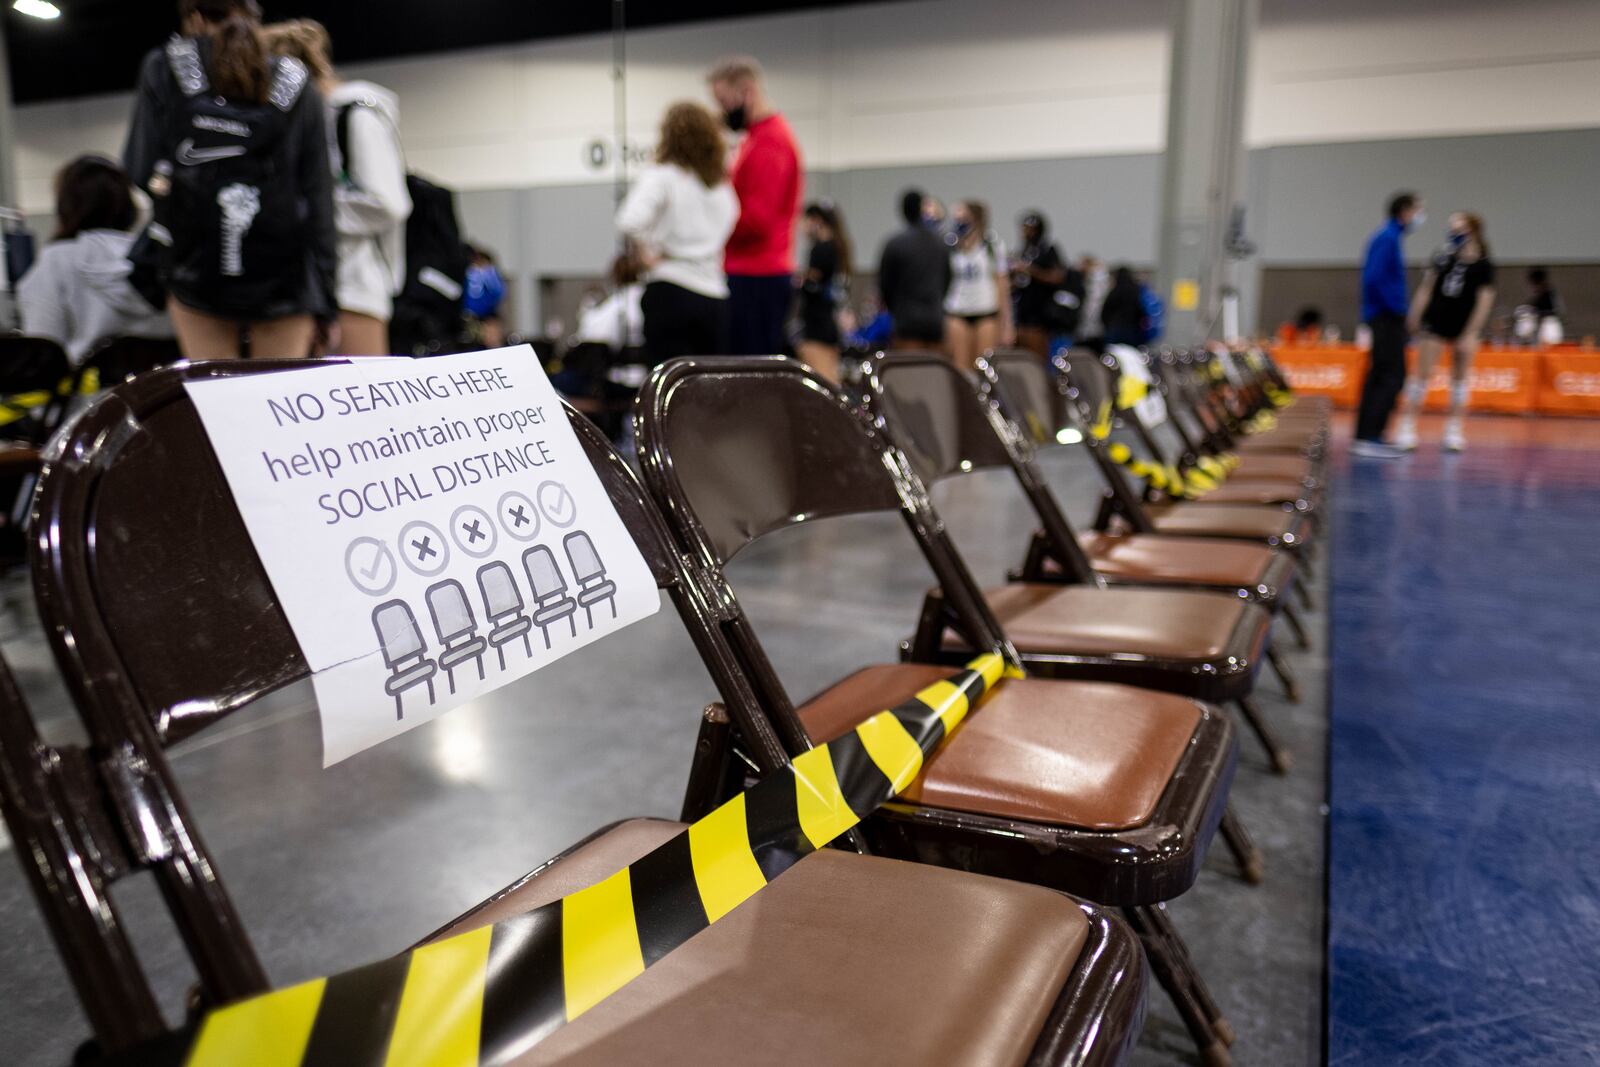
(557, 503)
(378, 558)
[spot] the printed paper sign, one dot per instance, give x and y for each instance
(1151, 408)
(432, 528)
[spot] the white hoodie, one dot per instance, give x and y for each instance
(77, 294)
(370, 202)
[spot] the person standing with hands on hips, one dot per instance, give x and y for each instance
(1451, 306)
(766, 175)
(1384, 308)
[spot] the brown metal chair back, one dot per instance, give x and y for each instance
(733, 449)
(163, 622)
(30, 366)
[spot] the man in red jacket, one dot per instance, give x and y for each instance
(766, 174)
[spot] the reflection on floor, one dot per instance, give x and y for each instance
(335, 868)
(1463, 914)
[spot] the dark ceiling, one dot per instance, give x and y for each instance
(95, 46)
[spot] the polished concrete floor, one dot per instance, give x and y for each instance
(335, 868)
(1463, 923)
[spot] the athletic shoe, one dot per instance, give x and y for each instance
(1405, 439)
(1454, 439)
(1374, 449)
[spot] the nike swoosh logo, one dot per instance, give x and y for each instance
(190, 156)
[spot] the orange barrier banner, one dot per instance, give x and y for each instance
(1569, 382)
(1559, 380)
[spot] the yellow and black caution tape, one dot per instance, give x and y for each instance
(483, 998)
(1130, 391)
(21, 405)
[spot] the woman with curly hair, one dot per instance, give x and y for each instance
(677, 219)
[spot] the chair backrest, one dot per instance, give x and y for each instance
(581, 554)
(117, 359)
(398, 633)
(162, 622)
(1089, 382)
(543, 573)
(35, 386)
(451, 611)
(736, 448)
(1031, 398)
(501, 596)
(933, 414)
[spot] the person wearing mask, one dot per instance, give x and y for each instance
(617, 320)
(1451, 307)
(1096, 284)
(1122, 315)
(232, 146)
(481, 297)
(370, 202)
(914, 277)
(678, 216)
(1048, 294)
(766, 175)
(978, 305)
(827, 273)
(77, 292)
(1384, 308)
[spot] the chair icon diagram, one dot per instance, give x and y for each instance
(593, 585)
(456, 627)
(502, 606)
(404, 652)
(551, 602)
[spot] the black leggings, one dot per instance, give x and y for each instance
(680, 322)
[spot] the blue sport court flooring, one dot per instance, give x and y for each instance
(1464, 854)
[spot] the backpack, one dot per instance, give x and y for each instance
(231, 222)
(1154, 314)
(427, 313)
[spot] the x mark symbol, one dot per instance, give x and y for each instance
(474, 531)
(424, 548)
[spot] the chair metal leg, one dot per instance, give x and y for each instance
(1291, 615)
(1179, 982)
(1281, 758)
(1180, 949)
(1280, 667)
(1251, 863)
(1308, 601)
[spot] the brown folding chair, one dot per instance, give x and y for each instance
(132, 610)
(1027, 415)
(1038, 785)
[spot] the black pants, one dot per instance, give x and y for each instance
(1386, 376)
(758, 305)
(680, 322)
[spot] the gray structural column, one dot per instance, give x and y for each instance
(8, 129)
(1204, 167)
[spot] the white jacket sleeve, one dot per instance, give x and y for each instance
(642, 208)
(375, 199)
(42, 301)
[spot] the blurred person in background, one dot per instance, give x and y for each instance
(678, 216)
(617, 321)
(1096, 284)
(827, 274)
(1123, 314)
(1384, 308)
(77, 292)
(232, 146)
(1545, 305)
(767, 175)
(978, 304)
(914, 277)
(370, 202)
(481, 297)
(1451, 307)
(1048, 294)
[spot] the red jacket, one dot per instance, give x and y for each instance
(767, 176)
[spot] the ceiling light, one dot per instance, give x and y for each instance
(39, 9)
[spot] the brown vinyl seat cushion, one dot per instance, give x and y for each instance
(1254, 466)
(1186, 560)
(1089, 755)
(1248, 522)
(1249, 490)
(1166, 624)
(843, 959)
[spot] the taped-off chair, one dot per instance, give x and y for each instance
(145, 654)
(1105, 791)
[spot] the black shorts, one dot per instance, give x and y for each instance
(818, 323)
(974, 320)
(1447, 331)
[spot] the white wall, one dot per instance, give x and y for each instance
(949, 81)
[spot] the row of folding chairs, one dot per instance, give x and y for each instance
(1005, 909)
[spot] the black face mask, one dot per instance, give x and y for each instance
(734, 118)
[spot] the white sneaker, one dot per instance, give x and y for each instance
(1374, 449)
(1405, 439)
(1454, 439)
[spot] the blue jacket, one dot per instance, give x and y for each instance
(1383, 275)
